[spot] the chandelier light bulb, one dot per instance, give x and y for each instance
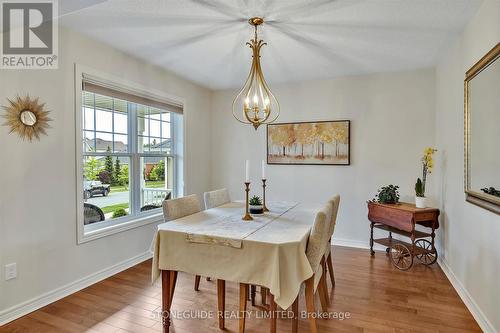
(264, 102)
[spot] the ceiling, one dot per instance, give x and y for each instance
(204, 40)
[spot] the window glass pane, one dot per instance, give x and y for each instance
(155, 145)
(88, 99)
(120, 106)
(142, 111)
(165, 130)
(103, 142)
(143, 144)
(104, 120)
(103, 102)
(155, 113)
(88, 118)
(154, 127)
(120, 122)
(165, 116)
(88, 141)
(120, 143)
(156, 181)
(143, 126)
(106, 188)
(154, 131)
(166, 146)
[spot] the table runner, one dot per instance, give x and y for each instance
(227, 230)
(272, 253)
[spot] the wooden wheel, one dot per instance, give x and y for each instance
(401, 256)
(430, 255)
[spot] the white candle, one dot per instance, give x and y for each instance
(247, 171)
(263, 170)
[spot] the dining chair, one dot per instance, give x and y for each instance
(335, 203)
(176, 208)
(316, 243)
(92, 214)
(216, 198)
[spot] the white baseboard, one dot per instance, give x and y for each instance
(469, 302)
(36, 303)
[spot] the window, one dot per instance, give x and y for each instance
(129, 156)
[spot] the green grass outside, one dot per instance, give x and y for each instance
(149, 184)
(118, 188)
(155, 184)
(112, 208)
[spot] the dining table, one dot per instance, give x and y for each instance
(268, 251)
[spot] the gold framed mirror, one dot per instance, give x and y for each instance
(482, 132)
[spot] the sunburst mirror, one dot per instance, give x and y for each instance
(27, 117)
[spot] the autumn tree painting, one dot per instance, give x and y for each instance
(325, 142)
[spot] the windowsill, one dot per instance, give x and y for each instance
(98, 230)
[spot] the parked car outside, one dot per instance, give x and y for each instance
(94, 187)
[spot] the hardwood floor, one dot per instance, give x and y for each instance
(378, 297)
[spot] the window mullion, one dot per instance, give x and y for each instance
(135, 172)
(173, 151)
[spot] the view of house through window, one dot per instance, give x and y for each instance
(128, 160)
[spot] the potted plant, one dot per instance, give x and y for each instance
(427, 165)
(255, 205)
(387, 195)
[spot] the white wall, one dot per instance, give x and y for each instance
(38, 209)
(392, 121)
(470, 235)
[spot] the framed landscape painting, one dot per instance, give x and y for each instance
(316, 143)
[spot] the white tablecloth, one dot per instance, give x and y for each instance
(268, 251)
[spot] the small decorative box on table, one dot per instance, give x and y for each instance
(401, 219)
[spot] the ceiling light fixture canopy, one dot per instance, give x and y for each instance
(255, 102)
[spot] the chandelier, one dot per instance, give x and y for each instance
(255, 102)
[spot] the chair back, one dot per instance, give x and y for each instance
(335, 203)
(318, 238)
(216, 198)
(92, 214)
(176, 208)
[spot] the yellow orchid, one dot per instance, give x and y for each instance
(427, 165)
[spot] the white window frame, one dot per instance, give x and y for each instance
(95, 231)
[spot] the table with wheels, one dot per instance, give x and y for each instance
(402, 219)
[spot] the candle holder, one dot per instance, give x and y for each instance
(264, 195)
(247, 216)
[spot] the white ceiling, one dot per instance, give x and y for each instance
(204, 40)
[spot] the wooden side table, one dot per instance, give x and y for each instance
(401, 219)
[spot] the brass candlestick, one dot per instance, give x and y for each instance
(264, 195)
(247, 216)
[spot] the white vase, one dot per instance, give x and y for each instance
(421, 202)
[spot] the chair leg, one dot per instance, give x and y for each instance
(322, 289)
(173, 281)
(221, 301)
(166, 299)
(329, 262)
(310, 304)
(263, 295)
(197, 282)
(295, 320)
(243, 306)
(273, 308)
(253, 290)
